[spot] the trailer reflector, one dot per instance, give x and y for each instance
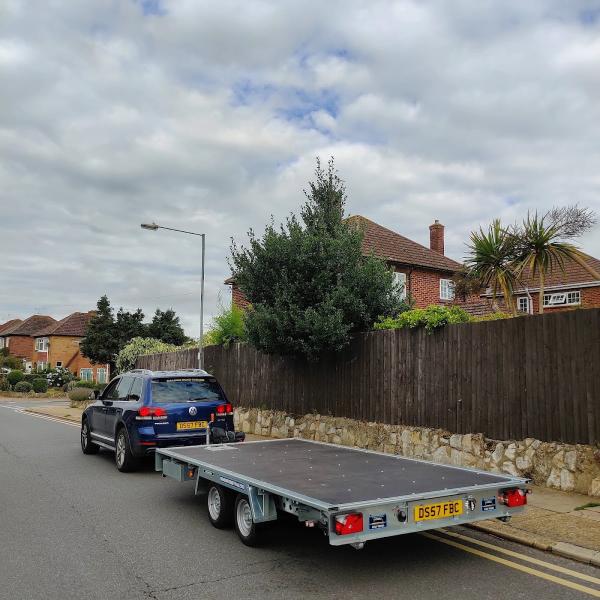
(350, 523)
(514, 497)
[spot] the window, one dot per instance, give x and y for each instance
(563, 299)
(523, 304)
(124, 386)
(41, 365)
(1, 342)
(86, 374)
(135, 393)
(59, 364)
(165, 391)
(446, 289)
(41, 344)
(101, 375)
(400, 281)
(110, 393)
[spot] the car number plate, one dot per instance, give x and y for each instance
(192, 425)
(440, 510)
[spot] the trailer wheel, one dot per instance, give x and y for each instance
(220, 506)
(245, 526)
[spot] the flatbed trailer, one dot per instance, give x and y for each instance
(353, 495)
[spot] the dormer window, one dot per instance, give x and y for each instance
(41, 344)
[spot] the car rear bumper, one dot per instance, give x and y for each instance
(145, 444)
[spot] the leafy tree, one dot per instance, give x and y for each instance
(129, 325)
(491, 262)
(309, 285)
(140, 346)
(227, 327)
(165, 326)
(101, 344)
(542, 243)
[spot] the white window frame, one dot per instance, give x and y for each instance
(102, 375)
(447, 289)
(85, 378)
(41, 344)
(58, 364)
(527, 304)
(570, 298)
(400, 280)
(41, 365)
(1, 343)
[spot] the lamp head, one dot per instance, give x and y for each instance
(151, 226)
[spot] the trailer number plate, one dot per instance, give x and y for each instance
(440, 510)
(192, 425)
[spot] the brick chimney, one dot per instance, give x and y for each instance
(436, 237)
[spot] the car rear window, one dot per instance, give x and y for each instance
(165, 391)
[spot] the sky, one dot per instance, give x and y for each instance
(208, 116)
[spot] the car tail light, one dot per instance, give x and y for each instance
(151, 413)
(515, 497)
(350, 523)
(224, 409)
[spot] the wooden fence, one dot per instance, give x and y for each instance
(533, 376)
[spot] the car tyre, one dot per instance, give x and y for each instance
(220, 506)
(248, 531)
(87, 446)
(124, 458)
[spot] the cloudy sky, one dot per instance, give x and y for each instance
(208, 116)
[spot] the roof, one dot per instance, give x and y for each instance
(573, 273)
(392, 246)
(74, 324)
(177, 374)
(31, 325)
(12, 324)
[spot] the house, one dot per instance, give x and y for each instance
(5, 328)
(19, 338)
(425, 274)
(57, 345)
(574, 287)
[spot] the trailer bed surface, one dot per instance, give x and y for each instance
(335, 475)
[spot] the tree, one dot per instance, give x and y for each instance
(165, 326)
(129, 325)
(100, 343)
(309, 285)
(491, 262)
(542, 243)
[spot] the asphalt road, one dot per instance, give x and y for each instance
(72, 526)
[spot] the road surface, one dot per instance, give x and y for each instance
(72, 526)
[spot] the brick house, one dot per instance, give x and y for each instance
(58, 346)
(424, 273)
(19, 339)
(5, 328)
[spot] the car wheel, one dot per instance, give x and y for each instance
(124, 458)
(87, 446)
(220, 506)
(248, 531)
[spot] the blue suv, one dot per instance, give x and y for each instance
(142, 410)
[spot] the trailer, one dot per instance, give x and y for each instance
(352, 495)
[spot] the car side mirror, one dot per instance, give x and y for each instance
(96, 394)
(107, 402)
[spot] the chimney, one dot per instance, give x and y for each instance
(436, 237)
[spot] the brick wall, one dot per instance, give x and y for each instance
(21, 346)
(65, 349)
(237, 297)
(424, 286)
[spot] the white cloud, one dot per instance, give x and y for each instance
(209, 116)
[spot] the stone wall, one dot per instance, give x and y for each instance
(559, 466)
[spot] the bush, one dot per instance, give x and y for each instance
(30, 377)
(23, 386)
(139, 346)
(430, 318)
(40, 385)
(4, 385)
(496, 316)
(59, 377)
(80, 393)
(227, 327)
(14, 377)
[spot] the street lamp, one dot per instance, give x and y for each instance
(154, 227)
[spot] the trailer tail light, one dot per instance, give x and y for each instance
(224, 409)
(151, 413)
(513, 498)
(350, 523)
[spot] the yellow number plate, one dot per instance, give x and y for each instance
(192, 425)
(441, 510)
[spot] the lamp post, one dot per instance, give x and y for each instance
(155, 227)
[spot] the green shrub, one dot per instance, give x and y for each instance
(14, 377)
(80, 393)
(83, 384)
(23, 386)
(430, 318)
(496, 316)
(4, 385)
(30, 377)
(40, 385)
(140, 346)
(227, 327)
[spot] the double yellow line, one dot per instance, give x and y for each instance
(449, 537)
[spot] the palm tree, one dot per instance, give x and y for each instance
(540, 246)
(491, 262)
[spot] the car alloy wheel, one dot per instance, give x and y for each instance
(121, 448)
(84, 436)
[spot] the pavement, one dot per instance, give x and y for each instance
(72, 526)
